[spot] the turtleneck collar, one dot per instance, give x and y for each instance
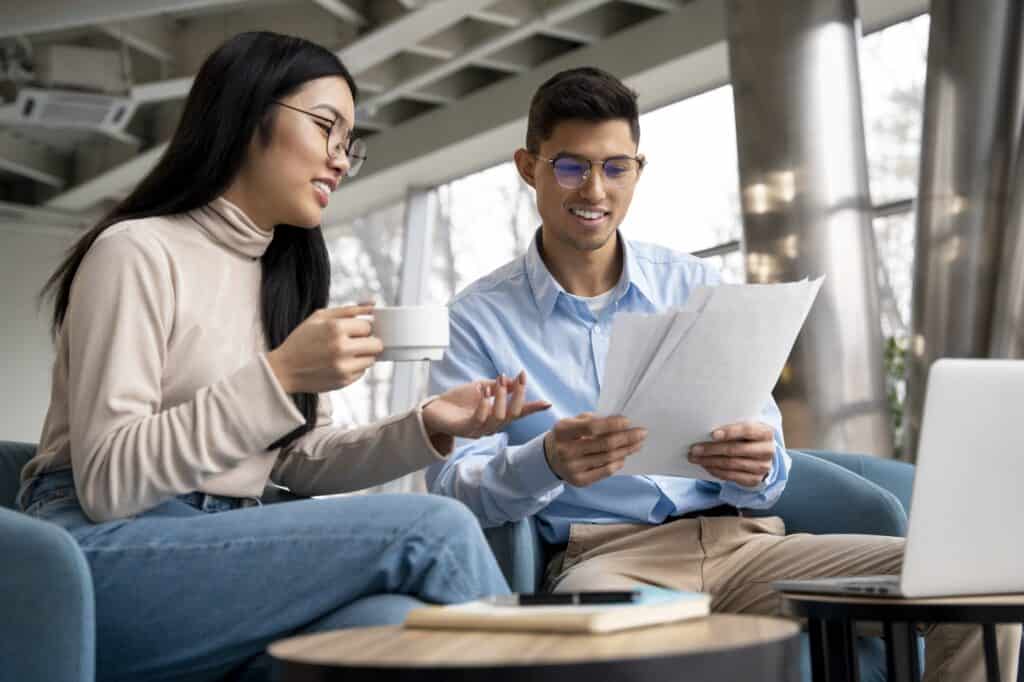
(228, 225)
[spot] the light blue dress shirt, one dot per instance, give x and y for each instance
(519, 317)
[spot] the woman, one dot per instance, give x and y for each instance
(168, 415)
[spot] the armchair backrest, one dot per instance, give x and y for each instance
(13, 456)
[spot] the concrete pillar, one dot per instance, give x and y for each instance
(807, 210)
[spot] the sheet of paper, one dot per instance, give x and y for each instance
(715, 364)
(632, 343)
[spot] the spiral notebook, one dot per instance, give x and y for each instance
(655, 606)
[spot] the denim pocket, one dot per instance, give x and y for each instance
(44, 501)
(43, 505)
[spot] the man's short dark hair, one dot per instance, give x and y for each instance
(587, 94)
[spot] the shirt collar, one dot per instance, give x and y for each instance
(229, 226)
(632, 273)
(546, 288)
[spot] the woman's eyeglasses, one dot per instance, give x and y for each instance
(338, 142)
(572, 172)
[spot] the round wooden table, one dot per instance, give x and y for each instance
(831, 618)
(717, 647)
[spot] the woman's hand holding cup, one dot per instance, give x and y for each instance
(330, 349)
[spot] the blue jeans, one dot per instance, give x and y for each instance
(197, 587)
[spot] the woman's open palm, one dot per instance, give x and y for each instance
(480, 408)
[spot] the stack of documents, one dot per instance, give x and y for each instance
(714, 362)
(655, 607)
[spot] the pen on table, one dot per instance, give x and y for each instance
(565, 598)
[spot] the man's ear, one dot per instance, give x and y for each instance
(643, 164)
(525, 164)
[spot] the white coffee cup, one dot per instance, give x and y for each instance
(411, 332)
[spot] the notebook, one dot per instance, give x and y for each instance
(655, 606)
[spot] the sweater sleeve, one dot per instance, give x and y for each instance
(335, 459)
(128, 453)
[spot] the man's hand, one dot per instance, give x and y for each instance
(584, 449)
(741, 453)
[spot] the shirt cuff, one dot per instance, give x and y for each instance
(766, 492)
(531, 466)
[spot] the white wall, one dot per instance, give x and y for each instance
(28, 255)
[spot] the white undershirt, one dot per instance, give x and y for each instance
(599, 302)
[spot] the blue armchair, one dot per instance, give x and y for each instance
(827, 493)
(47, 629)
(47, 619)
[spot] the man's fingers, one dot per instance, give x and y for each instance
(586, 425)
(743, 431)
(592, 462)
(578, 461)
(737, 464)
(594, 475)
(613, 441)
(755, 450)
(746, 480)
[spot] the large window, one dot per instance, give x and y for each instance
(687, 199)
(485, 220)
(893, 67)
(365, 266)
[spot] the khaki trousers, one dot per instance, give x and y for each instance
(735, 559)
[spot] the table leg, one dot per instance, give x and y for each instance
(901, 660)
(817, 638)
(833, 653)
(991, 652)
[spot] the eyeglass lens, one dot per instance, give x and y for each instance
(354, 149)
(571, 172)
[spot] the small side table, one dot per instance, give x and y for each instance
(830, 620)
(718, 647)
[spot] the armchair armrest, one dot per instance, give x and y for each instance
(824, 497)
(520, 553)
(895, 476)
(47, 623)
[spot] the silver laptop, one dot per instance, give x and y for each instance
(968, 501)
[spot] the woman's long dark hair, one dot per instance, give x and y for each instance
(231, 101)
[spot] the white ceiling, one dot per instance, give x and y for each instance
(445, 83)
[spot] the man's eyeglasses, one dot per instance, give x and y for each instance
(338, 142)
(572, 172)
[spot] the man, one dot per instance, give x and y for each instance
(550, 313)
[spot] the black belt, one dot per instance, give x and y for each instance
(720, 510)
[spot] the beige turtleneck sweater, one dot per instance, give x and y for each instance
(161, 384)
